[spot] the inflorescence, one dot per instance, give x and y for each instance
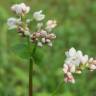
(43, 32)
(76, 62)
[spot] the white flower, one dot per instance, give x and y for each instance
(20, 9)
(75, 57)
(38, 16)
(13, 22)
(50, 24)
(72, 57)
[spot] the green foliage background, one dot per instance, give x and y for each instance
(76, 28)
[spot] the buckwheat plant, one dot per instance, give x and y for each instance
(76, 62)
(40, 36)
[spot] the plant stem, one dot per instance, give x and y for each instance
(30, 75)
(58, 87)
(31, 61)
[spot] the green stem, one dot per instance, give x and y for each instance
(58, 87)
(31, 61)
(30, 76)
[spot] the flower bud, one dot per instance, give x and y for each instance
(48, 40)
(51, 36)
(37, 34)
(43, 33)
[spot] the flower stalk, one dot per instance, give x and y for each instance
(31, 62)
(58, 88)
(30, 75)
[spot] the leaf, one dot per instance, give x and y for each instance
(21, 50)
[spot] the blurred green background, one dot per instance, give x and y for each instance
(76, 28)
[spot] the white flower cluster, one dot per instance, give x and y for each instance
(43, 31)
(76, 62)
